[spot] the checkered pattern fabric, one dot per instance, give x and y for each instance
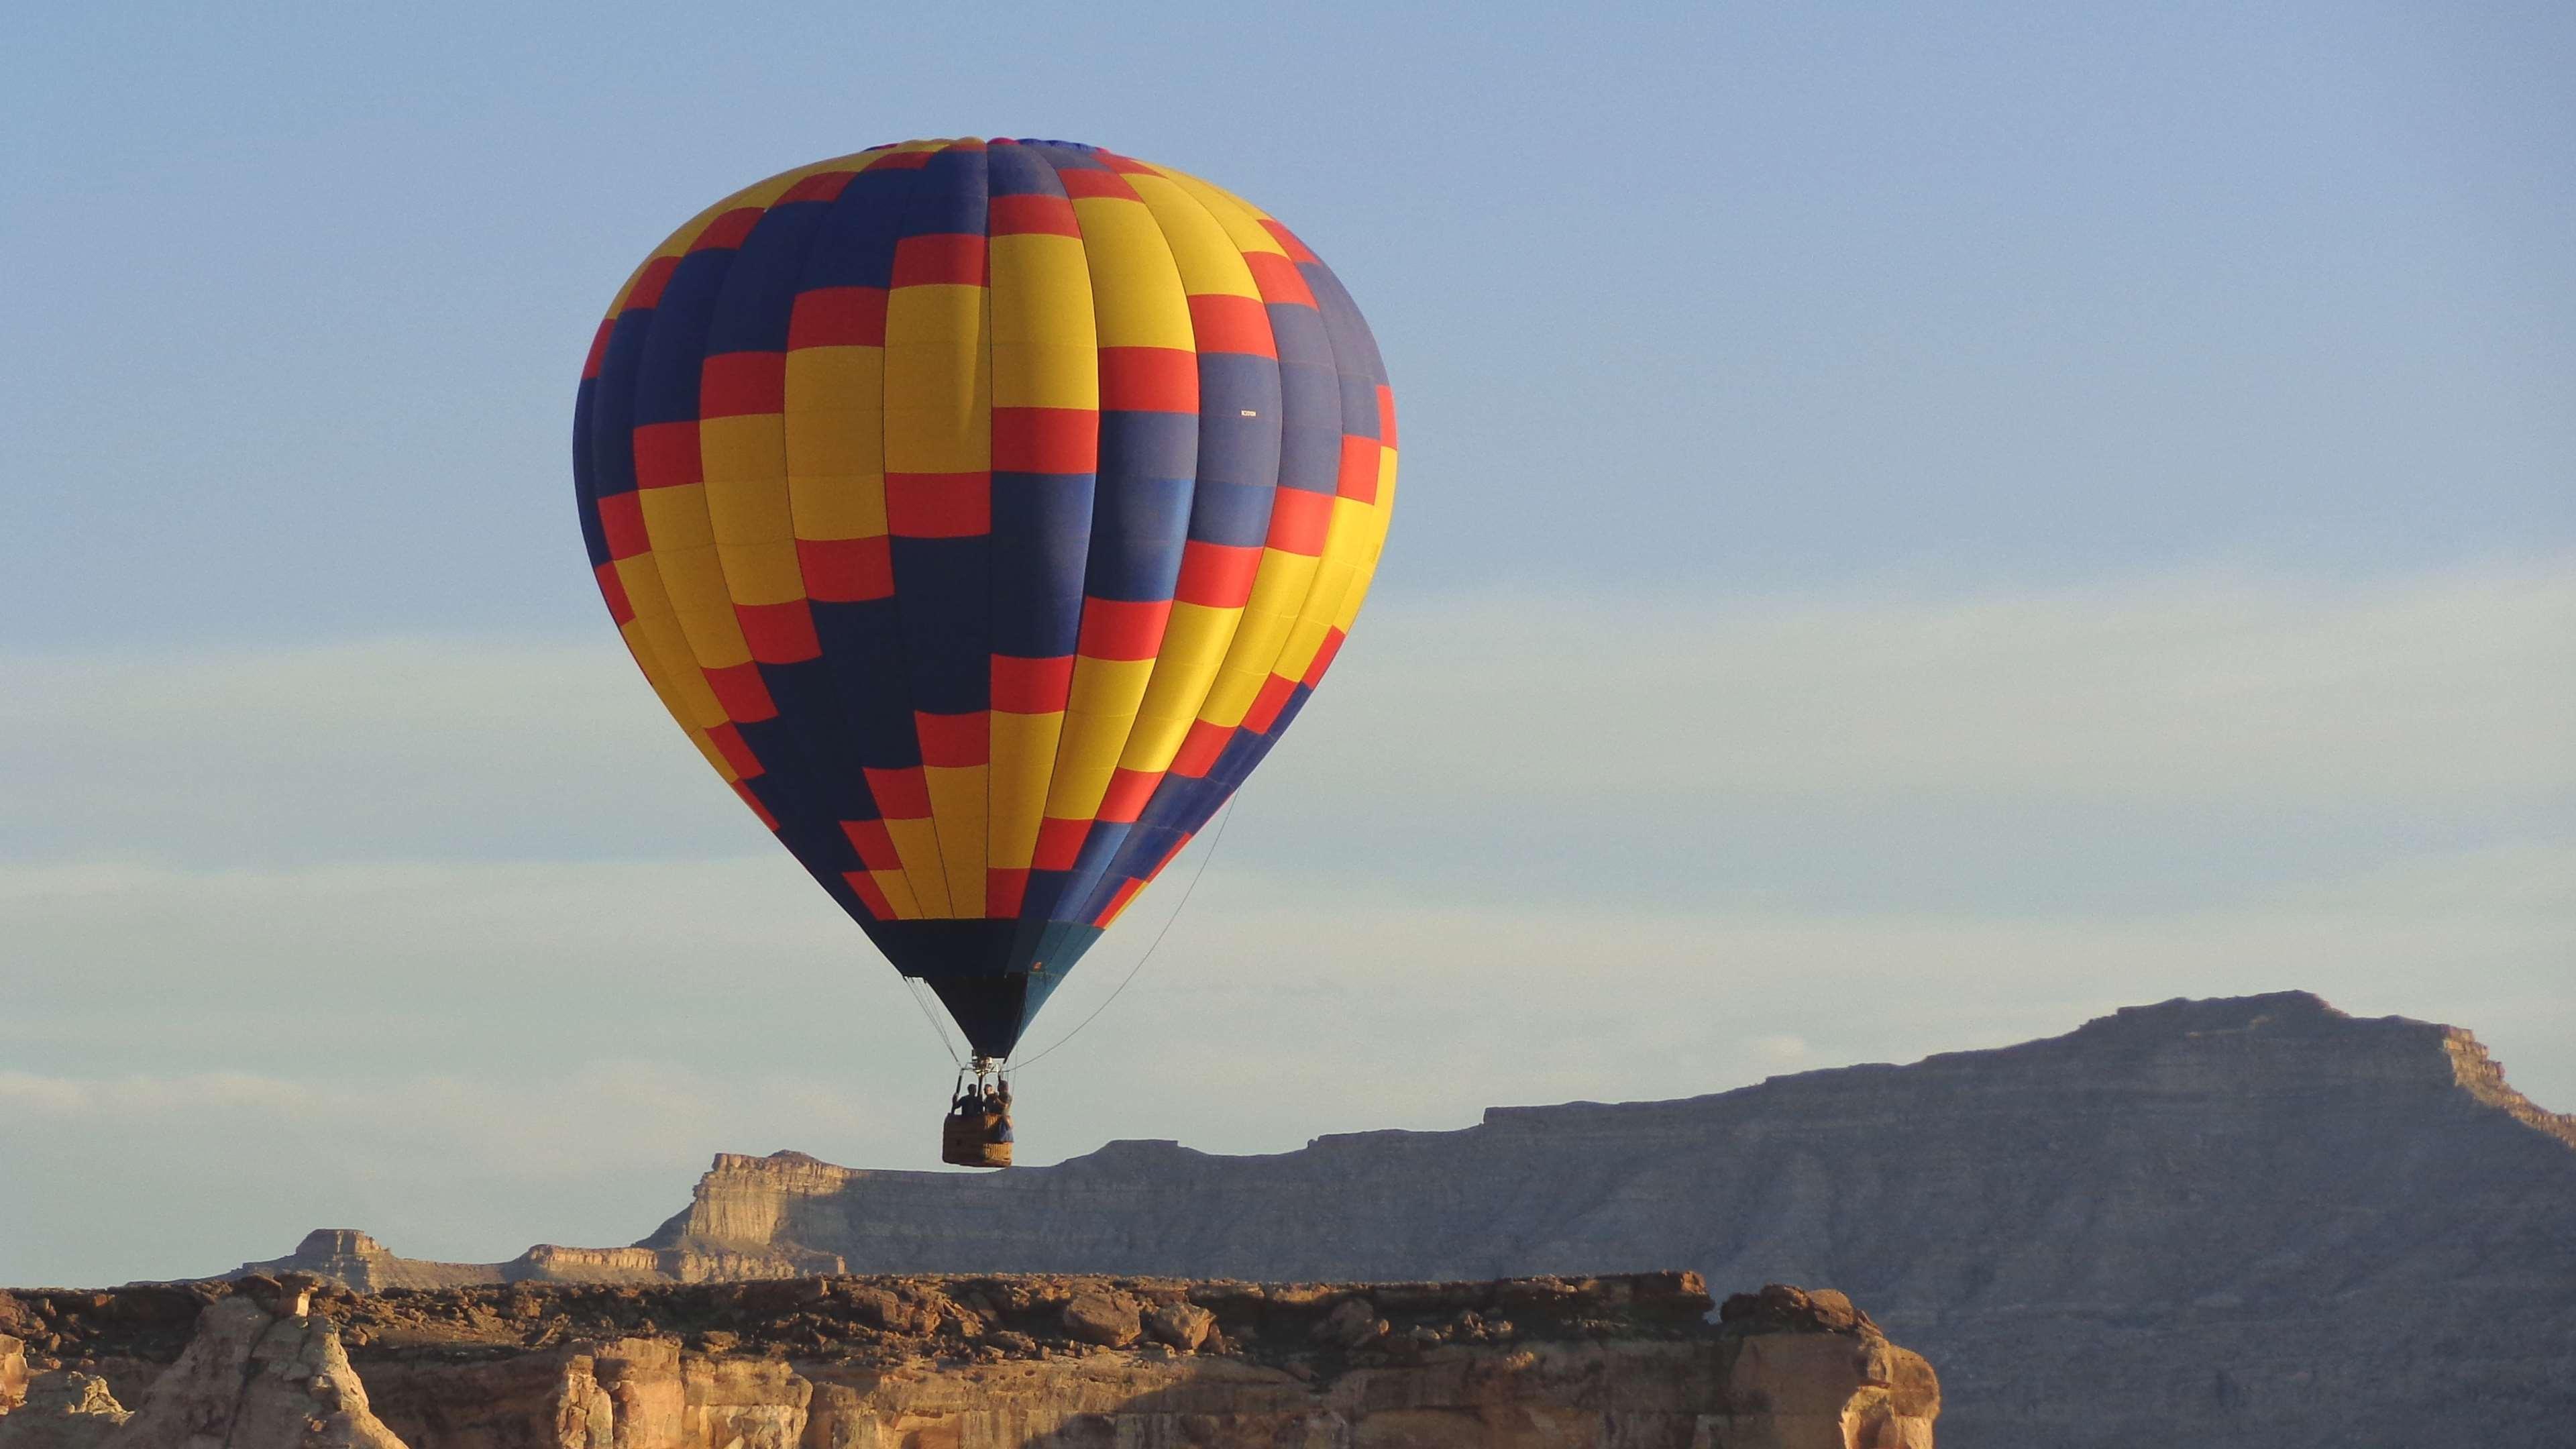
(984, 511)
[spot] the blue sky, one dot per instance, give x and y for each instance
(2022, 510)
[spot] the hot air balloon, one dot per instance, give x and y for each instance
(984, 511)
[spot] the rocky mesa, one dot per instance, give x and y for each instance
(982, 1362)
(2238, 1222)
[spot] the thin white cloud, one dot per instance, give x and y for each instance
(458, 942)
(391, 748)
(2197, 690)
(604, 1116)
(2199, 686)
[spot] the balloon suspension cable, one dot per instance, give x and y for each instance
(1183, 904)
(921, 999)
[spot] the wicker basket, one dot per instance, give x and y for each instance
(975, 1140)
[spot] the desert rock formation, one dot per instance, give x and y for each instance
(258, 1372)
(2253, 1221)
(989, 1362)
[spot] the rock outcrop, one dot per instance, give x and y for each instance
(350, 1257)
(2254, 1221)
(988, 1362)
(69, 1410)
(257, 1376)
(259, 1371)
(347, 1256)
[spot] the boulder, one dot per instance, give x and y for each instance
(13, 1372)
(1833, 1310)
(1352, 1323)
(1104, 1317)
(892, 1312)
(65, 1410)
(1184, 1326)
(1784, 1308)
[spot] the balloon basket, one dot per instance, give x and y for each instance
(975, 1140)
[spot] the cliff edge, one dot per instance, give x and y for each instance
(984, 1362)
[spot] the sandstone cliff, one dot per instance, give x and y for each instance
(990, 1362)
(2242, 1222)
(257, 1372)
(356, 1260)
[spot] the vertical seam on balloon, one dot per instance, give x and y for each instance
(639, 644)
(1044, 782)
(1109, 868)
(851, 710)
(1361, 572)
(675, 671)
(1235, 627)
(1376, 379)
(984, 887)
(784, 811)
(902, 635)
(1091, 524)
(1382, 505)
(1140, 856)
(1306, 601)
(586, 496)
(1238, 652)
(991, 473)
(1199, 191)
(1271, 665)
(1324, 550)
(659, 321)
(1128, 732)
(802, 734)
(980, 879)
(656, 669)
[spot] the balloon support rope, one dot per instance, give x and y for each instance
(1213, 842)
(915, 988)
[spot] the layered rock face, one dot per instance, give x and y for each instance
(258, 1372)
(356, 1260)
(988, 1362)
(2247, 1222)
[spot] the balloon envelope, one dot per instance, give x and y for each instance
(984, 512)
